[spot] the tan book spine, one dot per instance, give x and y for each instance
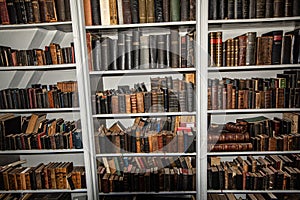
(88, 12)
(142, 11)
(113, 12)
(128, 103)
(140, 102)
(150, 11)
(120, 11)
(105, 12)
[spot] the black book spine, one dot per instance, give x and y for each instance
(13, 18)
(185, 7)
(288, 8)
(134, 5)
(222, 9)
(95, 12)
(96, 52)
(238, 9)
(166, 99)
(245, 9)
(158, 6)
(252, 9)
(136, 49)
(214, 9)
(296, 8)
(121, 51)
(210, 10)
(276, 49)
(29, 11)
(230, 9)
(67, 10)
(113, 54)
(260, 8)
(286, 49)
(296, 50)
(129, 53)
(269, 8)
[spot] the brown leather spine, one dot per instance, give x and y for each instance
(242, 50)
(140, 102)
(126, 12)
(113, 12)
(87, 12)
(4, 12)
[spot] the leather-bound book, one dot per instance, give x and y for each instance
(121, 103)
(190, 95)
(153, 51)
(174, 48)
(174, 10)
(140, 102)
(212, 48)
(12, 12)
(21, 11)
(296, 47)
(133, 100)
(5, 17)
(296, 8)
(128, 52)
(88, 12)
(230, 9)
(221, 9)
(105, 53)
(51, 11)
(242, 50)
(183, 51)
(121, 51)
(96, 54)
(288, 8)
(236, 52)
(245, 9)
(238, 8)
(260, 8)
(269, 8)
(251, 48)
(136, 49)
(145, 53)
(192, 10)
(95, 7)
(160, 101)
(278, 8)
(134, 5)
(229, 52)
(67, 10)
(168, 50)
(126, 12)
(219, 49)
(36, 11)
(113, 12)
(184, 10)
(252, 9)
(142, 11)
(115, 104)
(286, 51)
(159, 10)
(150, 11)
(276, 47)
(113, 44)
(213, 6)
(264, 50)
(161, 51)
(104, 12)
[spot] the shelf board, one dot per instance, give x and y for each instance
(39, 110)
(140, 25)
(44, 191)
(261, 20)
(41, 151)
(143, 71)
(266, 110)
(253, 191)
(40, 68)
(245, 153)
(253, 68)
(144, 154)
(164, 114)
(143, 193)
(63, 26)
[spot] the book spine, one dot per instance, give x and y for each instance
(245, 9)
(121, 52)
(120, 12)
(251, 48)
(184, 10)
(174, 10)
(260, 8)
(145, 54)
(142, 11)
(269, 8)
(242, 50)
(136, 49)
(161, 51)
(230, 9)
(134, 5)
(4, 16)
(150, 11)
(113, 12)
(288, 8)
(277, 45)
(159, 10)
(104, 12)
(278, 8)
(252, 9)
(126, 12)
(95, 6)
(238, 9)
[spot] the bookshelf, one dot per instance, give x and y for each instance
(232, 28)
(37, 36)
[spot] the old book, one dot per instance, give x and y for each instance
(150, 11)
(287, 50)
(105, 53)
(160, 10)
(126, 12)
(5, 18)
(276, 47)
(120, 12)
(113, 12)
(95, 8)
(238, 9)
(88, 12)
(296, 8)
(252, 9)
(183, 51)
(242, 50)
(174, 48)
(121, 51)
(142, 11)
(192, 10)
(104, 12)
(264, 50)
(145, 53)
(288, 8)
(21, 11)
(161, 53)
(230, 9)
(269, 8)
(260, 8)
(278, 8)
(174, 10)
(136, 49)
(184, 10)
(134, 5)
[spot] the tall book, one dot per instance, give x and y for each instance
(251, 48)
(174, 48)
(184, 10)
(260, 8)
(174, 10)
(269, 8)
(276, 47)
(252, 9)
(4, 12)
(105, 12)
(142, 11)
(150, 11)
(238, 8)
(160, 10)
(134, 5)
(95, 6)
(278, 8)
(120, 11)
(126, 11)
(87, 12)
(145, 56)
(113, 12)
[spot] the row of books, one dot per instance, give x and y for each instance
(140, 100)
(259, 134)
(148, 135)
(273, 172)
(34, 11)
(146, 174)
(136, 50)
(135, 11)
(61, 95)
(51, 55)
(38, 132)
(270, 48)
(253, 93)
(31, 196)
(54, 175)
(249, 9)
(258, 196)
